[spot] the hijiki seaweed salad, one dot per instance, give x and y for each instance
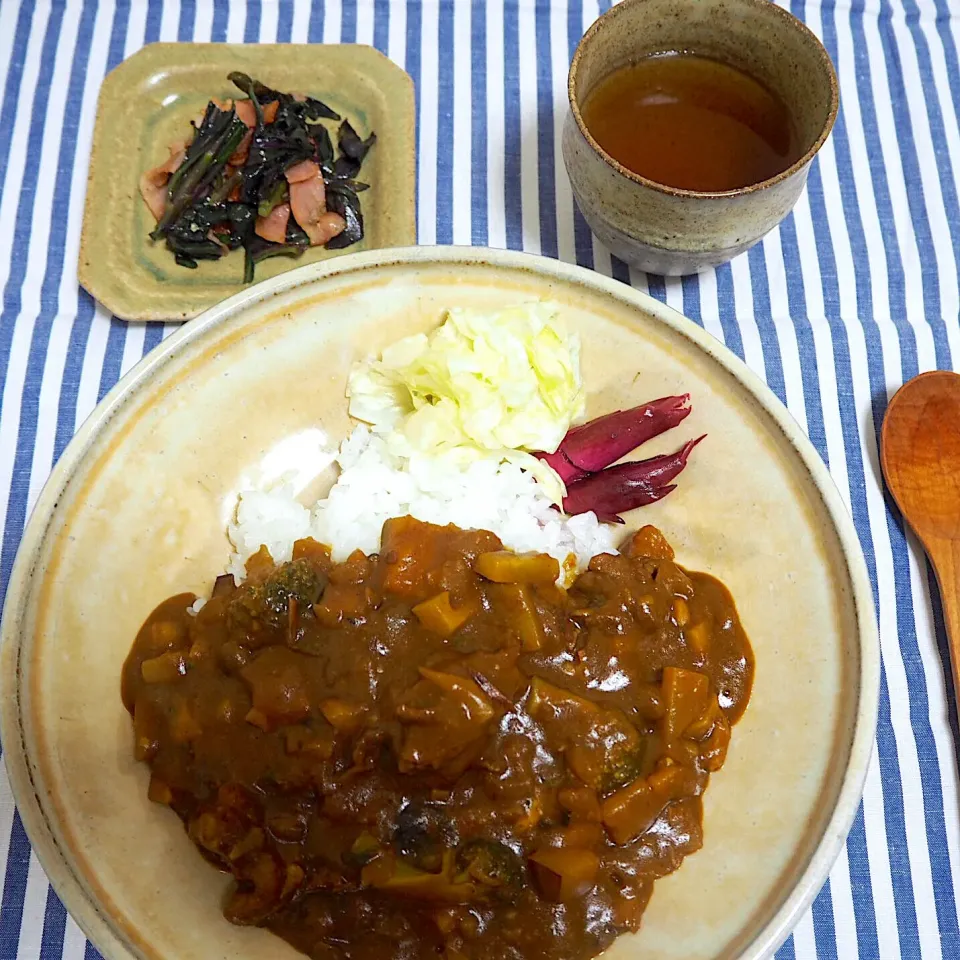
(260, 173)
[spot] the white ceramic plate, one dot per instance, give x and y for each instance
(135, 510)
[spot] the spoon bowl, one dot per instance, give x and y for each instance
(920, 457)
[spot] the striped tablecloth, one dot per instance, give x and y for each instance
(856, 292)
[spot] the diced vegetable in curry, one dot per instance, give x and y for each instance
(436, 752)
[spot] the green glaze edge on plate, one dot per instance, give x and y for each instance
(149, 100)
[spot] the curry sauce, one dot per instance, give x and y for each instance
(435, 751)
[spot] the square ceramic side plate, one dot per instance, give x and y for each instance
(149, 101)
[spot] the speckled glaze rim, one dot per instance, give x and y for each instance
(766, 8)
(114, 942)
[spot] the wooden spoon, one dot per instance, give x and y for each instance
(920, 455)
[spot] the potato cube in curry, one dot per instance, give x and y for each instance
(439, 615)
(504, 566)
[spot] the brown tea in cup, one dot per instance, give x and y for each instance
(692, 122)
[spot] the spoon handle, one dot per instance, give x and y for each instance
(944, 553)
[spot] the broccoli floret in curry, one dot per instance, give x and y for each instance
(295, 584)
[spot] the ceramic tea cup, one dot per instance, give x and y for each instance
(668, 230)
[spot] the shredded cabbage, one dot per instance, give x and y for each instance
(502, 383)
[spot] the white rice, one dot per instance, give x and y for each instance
(374, 486)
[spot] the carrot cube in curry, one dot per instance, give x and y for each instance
(648, 541)
(503, 566)
(411, 554)
(630, 812)
(278, 687)
(259, 565)
(309, 549)
(437, 614)
(340, 601)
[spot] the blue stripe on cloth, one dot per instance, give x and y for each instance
(823, 930)
(788, 950)
(118, 34)
(691, 298)
(348, 21)
(221, 17)
(546, 178)
(809, 367)
(188, 20)
(315, 28)
(72, 372)
(619, 270)
(583, 239)
(285, 22)
(112, 357)
(825, 252)
(728, 320)
(861, 888)
(381, 25)
(251, 26)
(445, 68)
(479, 216)
(772, 361)
(151, 32)
(657, 287)
(411, 61)
(152, 336)
(90, 952)
(54, 926)
(512, 128)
